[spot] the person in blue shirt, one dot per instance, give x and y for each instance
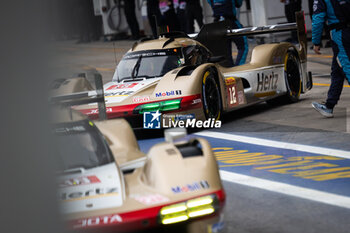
(337, 15)
(226, 10)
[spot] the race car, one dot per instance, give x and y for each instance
(106, 183)
(187, 74)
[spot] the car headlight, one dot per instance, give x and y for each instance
(190, 209)
(167, 105)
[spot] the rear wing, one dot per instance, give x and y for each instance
(210, 34)
(85, 97)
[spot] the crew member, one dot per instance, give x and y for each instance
(129, 10)
(326, 29)
(226, 10)
(193, 12)
(169, 16)
(290, 7)
(180, 9)
(154, 16)
(336, 13)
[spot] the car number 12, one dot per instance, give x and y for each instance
(232, 94)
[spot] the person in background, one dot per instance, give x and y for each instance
(129, 10)
(336, 14)
(226, 10)
(290, 7)
(193, 12)
(180, 7)
(167, 10)
(154, 16)
(326, 29)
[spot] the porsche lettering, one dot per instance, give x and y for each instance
(267, 82)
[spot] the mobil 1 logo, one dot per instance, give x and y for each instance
(266, 82)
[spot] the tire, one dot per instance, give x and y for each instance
(292, 77)
(211, 98)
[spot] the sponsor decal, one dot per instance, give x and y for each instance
(97, 221)
(267, 82)
(196, 101)
(79, 181)
(191, 187)
(151, 120)
(230, 81)
(121, 86)
(240, 96)
(95, 111)
(232, 95)
(91, 193)
(151, 199)
(118, 93)
(168, 93)
(140, 99)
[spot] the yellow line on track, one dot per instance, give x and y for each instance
(326, 84)
(321, 56)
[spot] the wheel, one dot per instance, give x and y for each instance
(292, 76)
(211, 96)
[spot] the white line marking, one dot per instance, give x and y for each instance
(283, 145)
(305, 193)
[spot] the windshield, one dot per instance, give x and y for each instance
(147, 64)
(80, 145)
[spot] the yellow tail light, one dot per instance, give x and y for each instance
(185, 210)
(201, 211)
(173, 209)
(174, 219)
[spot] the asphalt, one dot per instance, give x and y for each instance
(251, 209)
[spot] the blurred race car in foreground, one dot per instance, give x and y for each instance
(106, 183)
(187, 75)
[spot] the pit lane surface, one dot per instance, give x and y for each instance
(295, 194)
(285, 168)
(274, 186)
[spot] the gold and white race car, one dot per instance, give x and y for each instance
(107, 184)
(186, 75)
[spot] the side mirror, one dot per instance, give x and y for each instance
(216, 59)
